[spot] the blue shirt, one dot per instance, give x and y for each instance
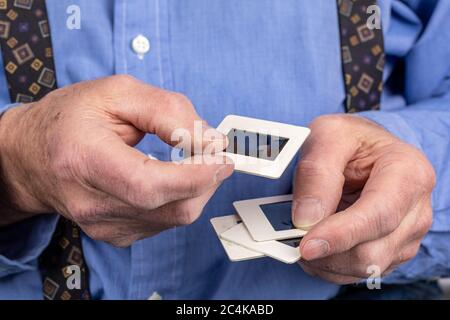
(277, 60)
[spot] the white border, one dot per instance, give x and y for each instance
(257, 223)
(262, 167)
(274, 249)
(234, 252)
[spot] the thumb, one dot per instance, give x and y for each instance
(319, 178)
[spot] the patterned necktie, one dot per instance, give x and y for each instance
(362, 56)
(30, 72)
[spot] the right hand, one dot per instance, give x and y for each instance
(72, 153)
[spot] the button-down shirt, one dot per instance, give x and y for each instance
(275, 60)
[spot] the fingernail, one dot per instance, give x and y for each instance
(222, 173)
(315, 249)
(307, 212)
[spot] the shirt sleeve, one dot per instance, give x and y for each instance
(426, 125)
(416, 108)
(23, 242)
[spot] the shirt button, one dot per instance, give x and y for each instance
(155, 296)
(140, 45)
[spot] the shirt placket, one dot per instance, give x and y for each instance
(141, 46)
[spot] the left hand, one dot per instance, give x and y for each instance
(365, 196)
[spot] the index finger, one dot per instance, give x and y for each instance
(169, 115)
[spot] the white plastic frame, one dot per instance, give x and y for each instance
(277, 250)
(257, 223)
(263, 167)
(234, 252)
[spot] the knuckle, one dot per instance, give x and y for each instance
(329, 122)
(111, 235)
(117, 87)
(97, 232)
(122, 242)
(409, 253)
(344, 238)
(177, 101)
(431, 176)
(82, 212)
(354, 232)
(187, 214)
(427, 222)
(308, 168)
(427, 174)
(185, 217)
(387, 214)
(415, 161)
(365, 258)
(387, 218)
(424, 223)
(335, 127)
(123, 80)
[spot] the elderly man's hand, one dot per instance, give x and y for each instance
(364, 195)
(72, 153)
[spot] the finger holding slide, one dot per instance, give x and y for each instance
(319, 177)
(144, 183)
(181, 212)
(169, 115)
(383, 204)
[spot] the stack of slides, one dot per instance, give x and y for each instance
(263, 227)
